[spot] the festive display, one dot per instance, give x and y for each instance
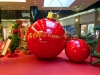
(77, 50)
(95, 46)
(46, 38)
(14, 40)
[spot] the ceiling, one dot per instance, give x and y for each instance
(39, 3)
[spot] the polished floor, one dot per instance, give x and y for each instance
(30, 65)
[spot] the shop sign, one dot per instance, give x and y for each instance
(25, 14)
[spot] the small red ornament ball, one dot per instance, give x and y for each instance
(15, 31)
(77, 50)
(46, 38)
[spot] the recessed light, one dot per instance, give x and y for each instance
(9, 7)
(82, 3)
(99, 9)
(23, 7)
(76, 20)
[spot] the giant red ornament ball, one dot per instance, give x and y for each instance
(46, 38)
(77, 50)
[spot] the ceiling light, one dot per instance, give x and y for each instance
(12, 0)
(76, 20)
(58, 3)
(82, 3)
(78, 8)
(99, 9)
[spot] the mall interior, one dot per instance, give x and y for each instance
(38, 37)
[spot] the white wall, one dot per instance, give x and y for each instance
(66, 22)
(87, 18)
(5, 24)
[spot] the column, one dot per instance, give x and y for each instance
(0, 14)
(77, 25)
(33, 14)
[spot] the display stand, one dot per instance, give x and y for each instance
(4, 48)
(95, 47)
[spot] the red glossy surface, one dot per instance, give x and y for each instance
(46, 38)
(98, 47)
(15, 31)
(77, 50)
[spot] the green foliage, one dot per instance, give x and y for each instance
(93, 41)
(9, 37)
(16, 24)
(97, 27)
(96, 54)
(15, 39)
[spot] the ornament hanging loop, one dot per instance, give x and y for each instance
(60, 8)
(54, 15)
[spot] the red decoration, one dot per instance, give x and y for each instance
(46, 38)
(15, 31)
(13, 55)
(77, 50)
(98, 47)
(19, 27)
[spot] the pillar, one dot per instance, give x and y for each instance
(0, 14)
(33, 14)
(77, 25)
(97, 17)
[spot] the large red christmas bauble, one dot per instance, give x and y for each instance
(46, 38)
(77, 50)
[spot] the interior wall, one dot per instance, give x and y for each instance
(5, 24)
(77, 25)
(98, 13)
(97, 20)
(87, 18)
(66, 22)
(82, 19)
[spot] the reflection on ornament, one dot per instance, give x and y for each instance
(43, 43)
(41, 34)
(77, 50)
